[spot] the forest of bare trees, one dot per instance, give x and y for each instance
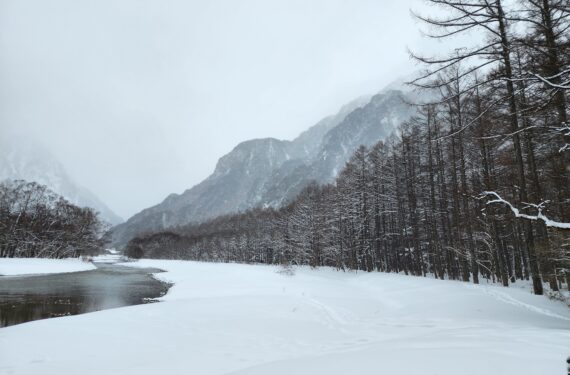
(37, 223)
(476, 185)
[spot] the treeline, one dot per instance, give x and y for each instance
(36, 222)
(477, 185)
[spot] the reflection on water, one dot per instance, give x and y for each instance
(23, 299)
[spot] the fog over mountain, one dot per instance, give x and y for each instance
(138, 99)
(24, 159)
(269, 172)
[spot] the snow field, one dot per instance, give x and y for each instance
(33, 266)
(243, 319)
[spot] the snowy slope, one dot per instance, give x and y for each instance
(27, 160)
(241, 319)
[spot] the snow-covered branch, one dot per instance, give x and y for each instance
(564, 130)
(564, 85)
(538, 217)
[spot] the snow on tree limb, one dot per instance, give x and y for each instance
(539, 207)
(565, 131)
(565, 85)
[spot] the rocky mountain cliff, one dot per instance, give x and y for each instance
(365, 125)
(269, 172)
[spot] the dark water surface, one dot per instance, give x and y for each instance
(27, 298)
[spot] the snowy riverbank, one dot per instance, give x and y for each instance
(36, 266)
(240, 319)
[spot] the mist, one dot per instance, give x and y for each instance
(139, 99)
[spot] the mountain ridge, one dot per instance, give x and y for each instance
(268, 172)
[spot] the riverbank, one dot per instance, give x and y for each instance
(41, 266)
(243, 319)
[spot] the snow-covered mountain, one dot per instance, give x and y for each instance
(270, 172)
(364, 125)
(27, 160)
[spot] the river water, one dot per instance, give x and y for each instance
(27, 298)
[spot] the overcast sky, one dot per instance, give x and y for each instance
(139, 99)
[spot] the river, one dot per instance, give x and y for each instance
(27, 298)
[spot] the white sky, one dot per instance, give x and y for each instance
(139, 99)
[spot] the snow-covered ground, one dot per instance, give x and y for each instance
(33, 266)
(240, 319)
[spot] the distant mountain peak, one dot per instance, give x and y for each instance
(26, 159)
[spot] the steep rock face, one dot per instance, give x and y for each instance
(364, 125)
(270, 172)
(236, 182)
(307, 144)
(31, 162)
